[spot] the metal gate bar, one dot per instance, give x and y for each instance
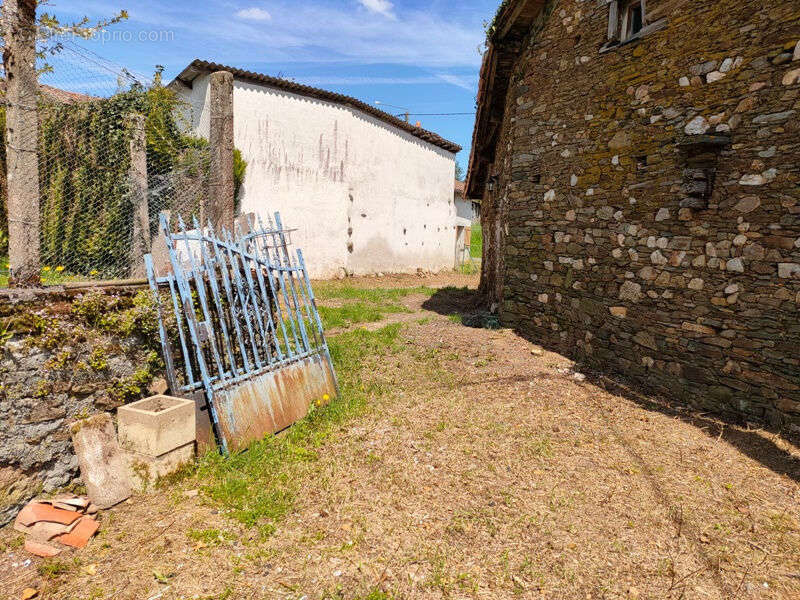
(237, 306)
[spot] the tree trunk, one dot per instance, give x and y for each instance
(22, 126)
(491, 285)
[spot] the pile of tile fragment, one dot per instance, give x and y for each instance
(54, 525)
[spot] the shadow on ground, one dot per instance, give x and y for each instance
(730, 428)
(465, 303)
(469, 305)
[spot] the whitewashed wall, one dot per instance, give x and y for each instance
(364, 196)
(465, 209)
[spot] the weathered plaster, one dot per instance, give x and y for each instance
(364, 196)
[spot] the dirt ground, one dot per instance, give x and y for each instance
(492, 469)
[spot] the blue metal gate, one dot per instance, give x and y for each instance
(241, 308)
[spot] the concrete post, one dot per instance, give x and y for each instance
(219, 205)
(22, 126)
(137, 180)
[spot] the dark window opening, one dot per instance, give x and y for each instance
(641, 163)
(537, 179)
(626, 21)
(634, 19)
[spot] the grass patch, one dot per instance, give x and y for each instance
(375, 594)
(476, 241)
(357, 312)
(258, 487)
(362, 305)
(50, 569)
(209, 537)
(332, 290)
(468, 268)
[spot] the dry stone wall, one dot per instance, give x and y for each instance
(64, 358)
(650, 199)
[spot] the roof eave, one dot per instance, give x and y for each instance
(512, 27)
(199, 67)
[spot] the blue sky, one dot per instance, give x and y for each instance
(416, 54)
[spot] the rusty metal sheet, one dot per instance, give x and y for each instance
(271, 402)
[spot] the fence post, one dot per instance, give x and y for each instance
(137, 180)
(219, 205)
(22, 132)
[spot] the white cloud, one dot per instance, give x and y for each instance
(466, 83)
(254, 14)
(324, 80)
(437, 37)
(383, 7)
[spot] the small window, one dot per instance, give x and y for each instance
(633, 20)
(626, 19)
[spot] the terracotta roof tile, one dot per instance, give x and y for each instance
(63, 96)
(35, 512)
(42, 549)
(81, 534)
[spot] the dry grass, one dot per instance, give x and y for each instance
(476, 469)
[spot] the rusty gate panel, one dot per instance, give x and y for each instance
(240, 308)
(272, 401)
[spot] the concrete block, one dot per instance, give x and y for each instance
(144, 470)
(156, 425)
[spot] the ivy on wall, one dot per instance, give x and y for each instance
(84, 161)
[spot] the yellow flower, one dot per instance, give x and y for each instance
(93, 272)
(325, 397)
(45, 269)
(59, 269)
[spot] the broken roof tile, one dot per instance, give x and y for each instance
(80, 535)
(42, 549)
(44, 531)
(70, 502)
(38, 511)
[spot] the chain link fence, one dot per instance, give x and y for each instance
(114, 150)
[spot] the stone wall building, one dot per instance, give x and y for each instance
(639, 164)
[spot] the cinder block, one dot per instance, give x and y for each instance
(144, 470)
(156, 425)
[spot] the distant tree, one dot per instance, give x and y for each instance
(459, 171)
(48, 27)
